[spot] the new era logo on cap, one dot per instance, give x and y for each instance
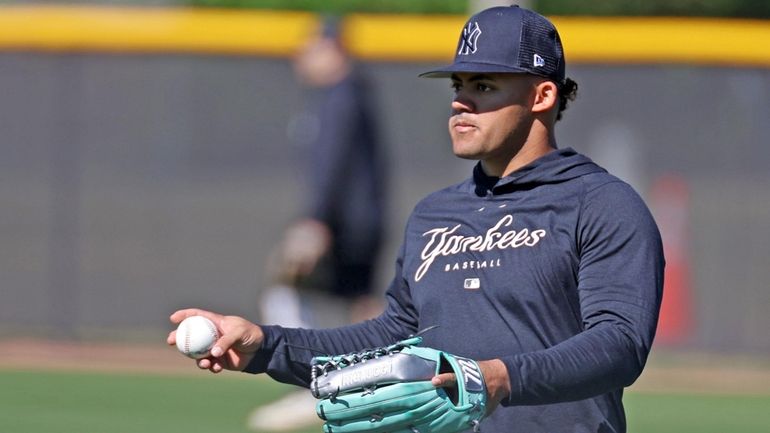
(538, 61)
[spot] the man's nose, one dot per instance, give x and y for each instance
(462, 104)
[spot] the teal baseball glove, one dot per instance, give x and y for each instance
(389, 390)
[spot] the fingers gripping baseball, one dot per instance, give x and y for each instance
(238, 340)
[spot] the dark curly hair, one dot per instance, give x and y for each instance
(567, 93)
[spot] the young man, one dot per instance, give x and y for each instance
(542, 266)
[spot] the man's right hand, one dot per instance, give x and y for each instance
(238, 342)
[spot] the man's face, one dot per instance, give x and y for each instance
(491, 115)
(318, 63)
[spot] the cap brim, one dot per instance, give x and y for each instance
(471, 67)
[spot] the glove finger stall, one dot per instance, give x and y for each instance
(389, 399)
(381, 422)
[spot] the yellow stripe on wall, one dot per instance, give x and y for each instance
(371, 37)
(403, 37)
(121, 29)
(666, 40)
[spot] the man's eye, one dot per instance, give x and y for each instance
(483, 87)
(456, 87)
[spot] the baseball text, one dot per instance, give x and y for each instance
(443, 241)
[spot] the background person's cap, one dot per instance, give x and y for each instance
(507, 39)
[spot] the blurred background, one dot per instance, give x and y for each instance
(145, 164)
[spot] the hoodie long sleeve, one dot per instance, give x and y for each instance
(556, 269)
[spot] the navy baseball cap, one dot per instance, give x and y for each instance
(507, 39)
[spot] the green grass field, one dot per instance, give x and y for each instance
(60, 402)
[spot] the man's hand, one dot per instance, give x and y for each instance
(304, 245)
(495, 378)
(238, 342)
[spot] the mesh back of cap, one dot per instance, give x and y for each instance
(538, 37)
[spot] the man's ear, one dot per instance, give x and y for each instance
(546, 96)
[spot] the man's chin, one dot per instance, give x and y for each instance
(467, 156)
(464, 153)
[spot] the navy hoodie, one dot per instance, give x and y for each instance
(556, 269)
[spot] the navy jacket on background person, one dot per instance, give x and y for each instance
(556, 269)
(345, 177)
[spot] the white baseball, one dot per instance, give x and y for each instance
(195, 336)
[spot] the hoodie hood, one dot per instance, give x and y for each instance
(558, 166)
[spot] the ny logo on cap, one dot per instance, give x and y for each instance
(470, 36)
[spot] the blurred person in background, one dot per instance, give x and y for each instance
(330, 251)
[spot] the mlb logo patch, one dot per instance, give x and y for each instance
(472, 283)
